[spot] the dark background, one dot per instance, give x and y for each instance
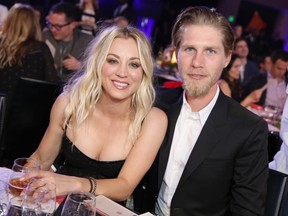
(162, 14)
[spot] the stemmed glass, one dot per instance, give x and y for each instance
(79, 204)
(19, 168)
(39, 199)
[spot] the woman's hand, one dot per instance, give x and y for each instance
(253, 97)
(64, 184)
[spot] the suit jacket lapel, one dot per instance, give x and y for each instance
(208, 138)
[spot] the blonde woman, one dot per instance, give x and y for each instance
(21, 52)
(104, 121)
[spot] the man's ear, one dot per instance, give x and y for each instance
(227, 59)
(74, 24)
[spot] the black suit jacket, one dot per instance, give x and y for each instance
(250, 70)
(227, 171)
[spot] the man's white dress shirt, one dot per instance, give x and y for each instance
(187, 131)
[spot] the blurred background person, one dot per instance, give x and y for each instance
(280, 160)
(276, 80)
(67, 43)
(238, 31)
(249, 68)
(125, 9)
(21, 52)
(121, 20)
(90, 15)
(264, 63)
(3, 13)
(231, 86)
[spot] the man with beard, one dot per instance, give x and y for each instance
(213, 160)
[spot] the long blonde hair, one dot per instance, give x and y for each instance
(19, 30)
(85, 88)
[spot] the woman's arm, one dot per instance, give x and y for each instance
(136, 165)
(254, 96)
(49, 146)
(139, 159)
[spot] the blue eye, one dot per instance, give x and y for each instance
(189, 49)
(211, 51)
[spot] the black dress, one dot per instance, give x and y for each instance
(76, 163)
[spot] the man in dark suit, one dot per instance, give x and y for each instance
(213, 160)
(249, 68)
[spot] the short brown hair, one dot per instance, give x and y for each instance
(203, 16)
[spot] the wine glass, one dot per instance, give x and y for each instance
(4, 200)
(39, 199)
(19, 168)
(79, 204)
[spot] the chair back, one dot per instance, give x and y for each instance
(277, 191)
(28, 117)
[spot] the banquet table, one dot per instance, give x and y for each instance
(104, 205)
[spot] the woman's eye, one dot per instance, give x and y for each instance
(135, 65)
(112, 61)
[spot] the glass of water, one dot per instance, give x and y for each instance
(39, 199)
(79, 204)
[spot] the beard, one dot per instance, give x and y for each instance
(198, 88)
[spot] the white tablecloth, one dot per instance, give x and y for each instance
(4, 174)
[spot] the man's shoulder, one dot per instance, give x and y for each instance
(252, 65)
(236, 112)
(47, 36)
(82, 36)
(46, 33)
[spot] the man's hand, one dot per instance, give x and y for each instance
(71, 63)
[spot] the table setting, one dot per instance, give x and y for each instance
(38, 198)
(271, 114)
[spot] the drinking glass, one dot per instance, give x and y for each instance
(271, 114)
(39, 199)
(15, 206)
(19, 168)
(4, 200)
(79, 204)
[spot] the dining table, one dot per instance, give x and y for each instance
(104, 205)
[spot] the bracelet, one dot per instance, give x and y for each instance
(93, 185)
